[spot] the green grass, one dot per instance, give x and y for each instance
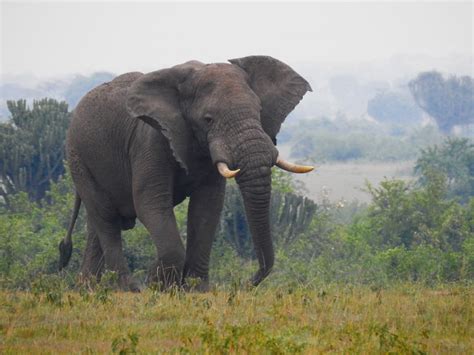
(403, 319)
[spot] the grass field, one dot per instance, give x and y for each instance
(403, 319)
(346, 181)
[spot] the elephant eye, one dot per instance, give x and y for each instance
(208, 118)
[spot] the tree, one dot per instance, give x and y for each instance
(393, 107)
(449, 101)
(32, 147)
(455, 160)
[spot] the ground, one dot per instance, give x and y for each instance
(402, 319)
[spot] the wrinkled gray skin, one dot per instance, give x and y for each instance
(140, 144)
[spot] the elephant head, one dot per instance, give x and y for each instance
(233, 112)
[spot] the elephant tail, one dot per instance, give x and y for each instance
(65, 246)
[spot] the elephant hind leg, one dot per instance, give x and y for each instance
(104, 242)
(104, 250)
(111, 242)
(93, 261)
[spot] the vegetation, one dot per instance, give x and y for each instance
(32, 147)
(449, 101)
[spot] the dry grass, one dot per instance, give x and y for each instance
(406, 319)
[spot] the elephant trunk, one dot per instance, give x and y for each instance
(257, 207)
(255, 182)
(243, 146)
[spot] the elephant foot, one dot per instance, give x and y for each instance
(134, 286)
(128, 284)
(259, 276)
(164, 276)
(196, 284)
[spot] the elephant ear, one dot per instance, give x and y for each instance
(155, 99)
(278, 86)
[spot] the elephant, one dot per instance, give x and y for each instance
(140, 144)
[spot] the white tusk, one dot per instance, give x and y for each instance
(225, 171)
(293, 168)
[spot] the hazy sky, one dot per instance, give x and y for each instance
(48, 39)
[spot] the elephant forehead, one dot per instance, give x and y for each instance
(222, 73)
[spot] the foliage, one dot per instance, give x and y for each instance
(393, 107)
(32, 147)
(30, 233)
(449, 101)
(455, 160)
(408, 232)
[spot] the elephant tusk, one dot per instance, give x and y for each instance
(225, 171)
(293, 168)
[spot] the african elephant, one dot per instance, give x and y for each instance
(140, 144)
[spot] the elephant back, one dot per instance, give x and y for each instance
(126, 79)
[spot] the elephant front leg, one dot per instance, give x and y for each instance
(153, 184)
(168, 268)
(204, 212)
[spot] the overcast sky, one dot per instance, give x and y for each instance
(49, 39)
